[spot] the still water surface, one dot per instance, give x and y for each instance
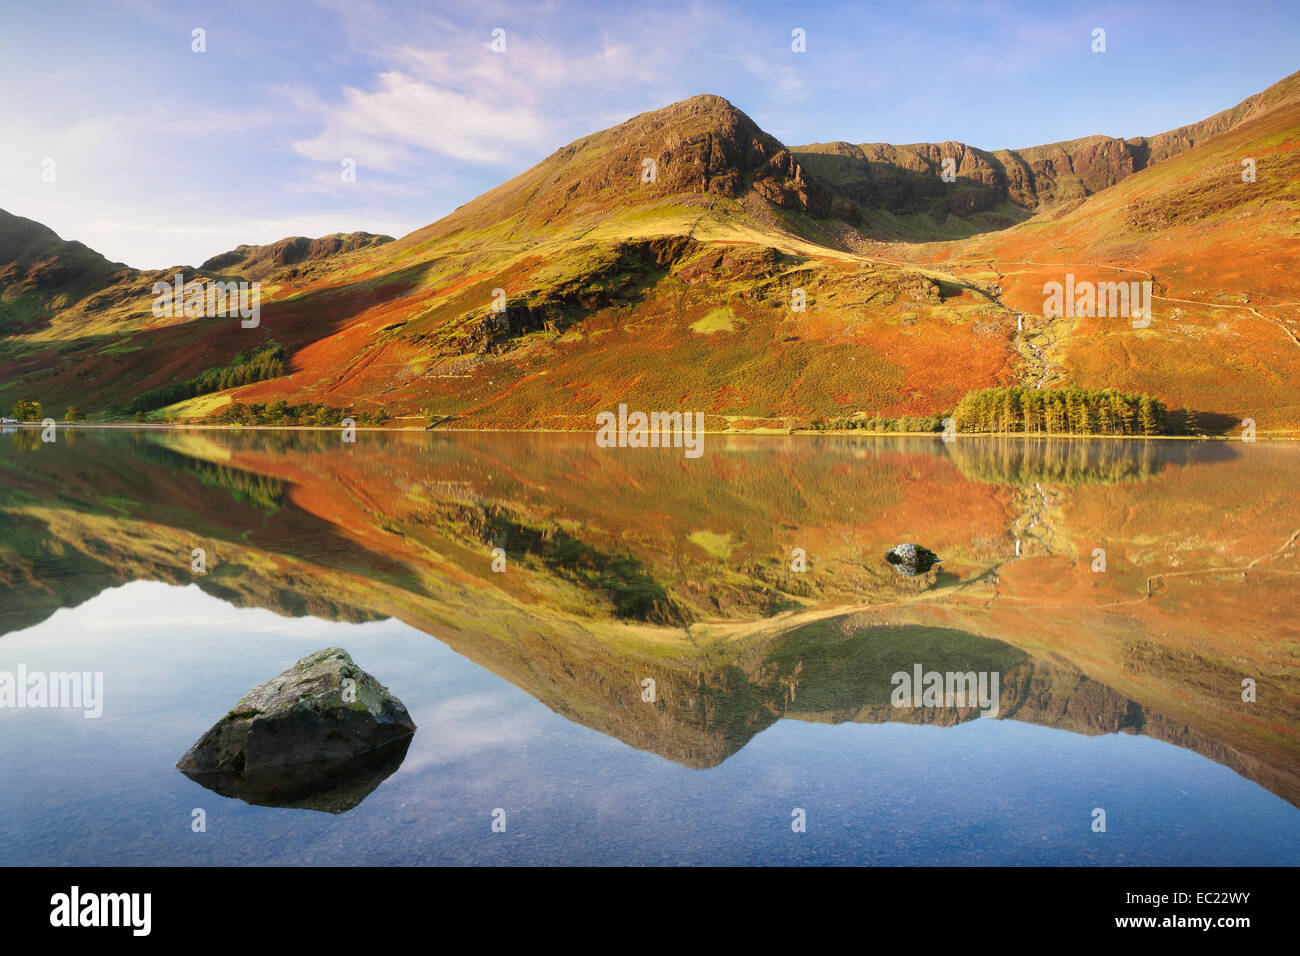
(1120, 689)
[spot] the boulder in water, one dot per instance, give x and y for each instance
(311, 730)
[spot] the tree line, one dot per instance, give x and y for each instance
(1060, 411)
(282, 413)
(266, 362)
(879, 423)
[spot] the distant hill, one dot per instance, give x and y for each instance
(41, 274)
(259, 262)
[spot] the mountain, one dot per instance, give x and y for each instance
(702, 147)
(900, 194)
(1220, 253)
(688, 260)
(609, 276)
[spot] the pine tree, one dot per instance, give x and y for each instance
(1122, 412)
(1083, 417)
(1147, 416)
(1054, 414)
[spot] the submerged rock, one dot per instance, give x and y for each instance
(323, 727)
(911, 559)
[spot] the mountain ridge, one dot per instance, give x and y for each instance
(1034, 178)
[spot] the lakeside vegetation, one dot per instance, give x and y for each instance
(27, 411)
(266, 362)
(1015, 410)
(31, 411)
(282, 413)
(879, 423)
(1063, 411)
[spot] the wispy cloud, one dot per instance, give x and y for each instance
(463, 100)
(382, 127)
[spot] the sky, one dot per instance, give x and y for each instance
(119, 134)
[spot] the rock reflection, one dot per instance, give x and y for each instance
(331, 788)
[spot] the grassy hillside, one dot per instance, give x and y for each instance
(687, 260)
(1224, 340)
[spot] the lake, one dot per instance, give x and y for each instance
(631, 656)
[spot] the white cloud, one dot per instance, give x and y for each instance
(381, 128)
(454, 97)
(463, 101)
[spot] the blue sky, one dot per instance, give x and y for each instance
(163, 156)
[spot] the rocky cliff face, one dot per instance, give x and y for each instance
(1043, 176)
(906, 179)
(700, 145)
(705, 144)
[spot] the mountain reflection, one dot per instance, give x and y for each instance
(1112, 586)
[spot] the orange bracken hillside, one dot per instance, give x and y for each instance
(687, 260)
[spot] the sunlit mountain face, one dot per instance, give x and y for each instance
(593, 622)
(687, 259)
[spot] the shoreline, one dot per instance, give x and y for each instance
(756, 433)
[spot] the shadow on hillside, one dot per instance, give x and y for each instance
(873, 185)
